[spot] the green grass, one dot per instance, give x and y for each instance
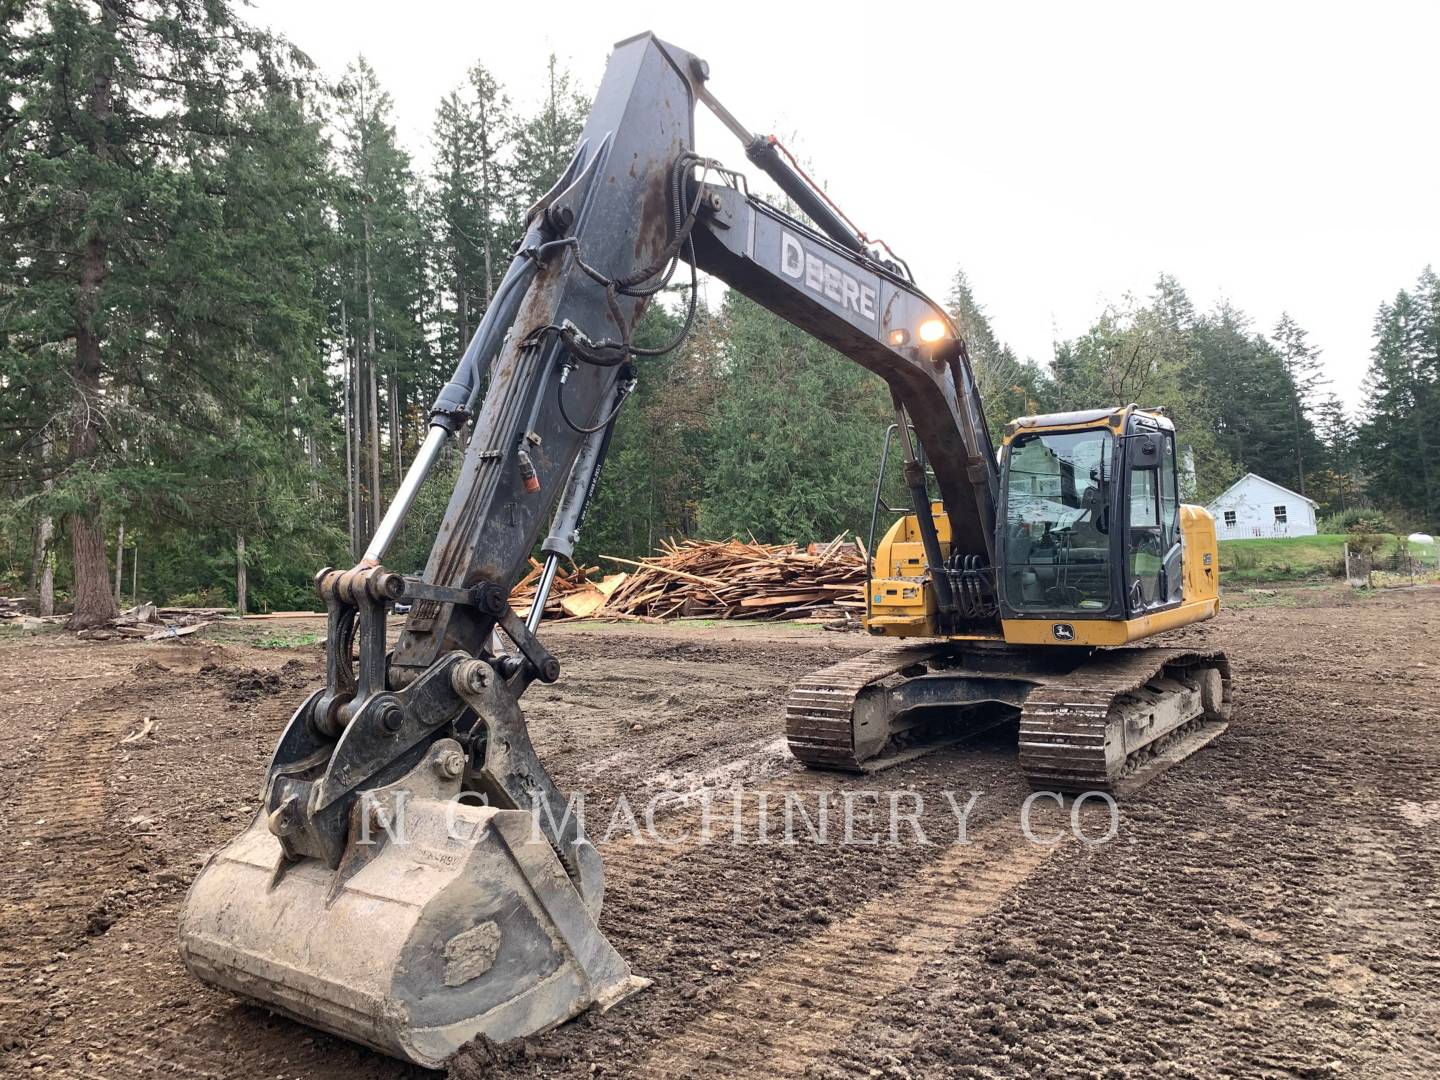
(289, 641)
(1293, 558)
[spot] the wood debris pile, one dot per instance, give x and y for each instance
(14, 607)
(729, 579)
(150, 623)
(577, 593)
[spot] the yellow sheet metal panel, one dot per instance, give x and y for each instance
(901, 603)
(906, 558)
(1202, 553)
(1106, 631)
(900, 626)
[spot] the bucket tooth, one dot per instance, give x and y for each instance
(462, 923)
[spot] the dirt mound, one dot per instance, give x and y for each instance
(477, 1059)
(149, 666)
(251, 684)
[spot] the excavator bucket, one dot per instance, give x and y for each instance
(450, 922)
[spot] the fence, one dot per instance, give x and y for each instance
(1256, 532)
(1399, 567)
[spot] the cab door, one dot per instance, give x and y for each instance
(1153, 563)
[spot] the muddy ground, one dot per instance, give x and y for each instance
(1269, 908)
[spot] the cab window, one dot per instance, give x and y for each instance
(1057, 525)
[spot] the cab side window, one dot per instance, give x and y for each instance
(1144, 499)
(1169, 493)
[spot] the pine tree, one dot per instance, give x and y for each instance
(1337, 435)
(110, 224)
(1397, 441)
(383, 237)
(1146, 353)
(1241, 375)
(1302, 365)
(795, 439)
(546, 142)
(469, 202)
(1008, 386)
(658, 462)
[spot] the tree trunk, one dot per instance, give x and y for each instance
(312, 452)
(94, 603)
(489, 268)
(362, 428)
(242, 584)
(349, 457)
(45, 594)
(42, 566)
(349, 381)
(119, 561)
(42, 574)
(393, 394)
(135, 575)
(1299, 462)
(375, 496)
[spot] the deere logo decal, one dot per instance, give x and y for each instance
(826, 278)
(1063, 631)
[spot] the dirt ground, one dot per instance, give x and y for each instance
(1268, 908)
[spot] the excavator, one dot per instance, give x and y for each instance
(413, 878)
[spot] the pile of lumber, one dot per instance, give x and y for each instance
(577, 593)
(171, 614)
(732, 579)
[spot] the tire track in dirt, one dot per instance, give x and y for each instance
(60, 816)
(173, 1026)
(793, 1010)
(64, 855)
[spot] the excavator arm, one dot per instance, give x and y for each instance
(477, 931)
(869, 312)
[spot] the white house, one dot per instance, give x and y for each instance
(1254, 506)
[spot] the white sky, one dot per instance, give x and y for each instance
(1281, 155)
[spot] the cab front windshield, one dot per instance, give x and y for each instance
(1057, 527)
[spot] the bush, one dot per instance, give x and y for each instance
(1358, 519)
(1365, 543)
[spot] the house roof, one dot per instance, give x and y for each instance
(1269, 483)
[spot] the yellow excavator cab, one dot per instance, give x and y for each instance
(1094, 546)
